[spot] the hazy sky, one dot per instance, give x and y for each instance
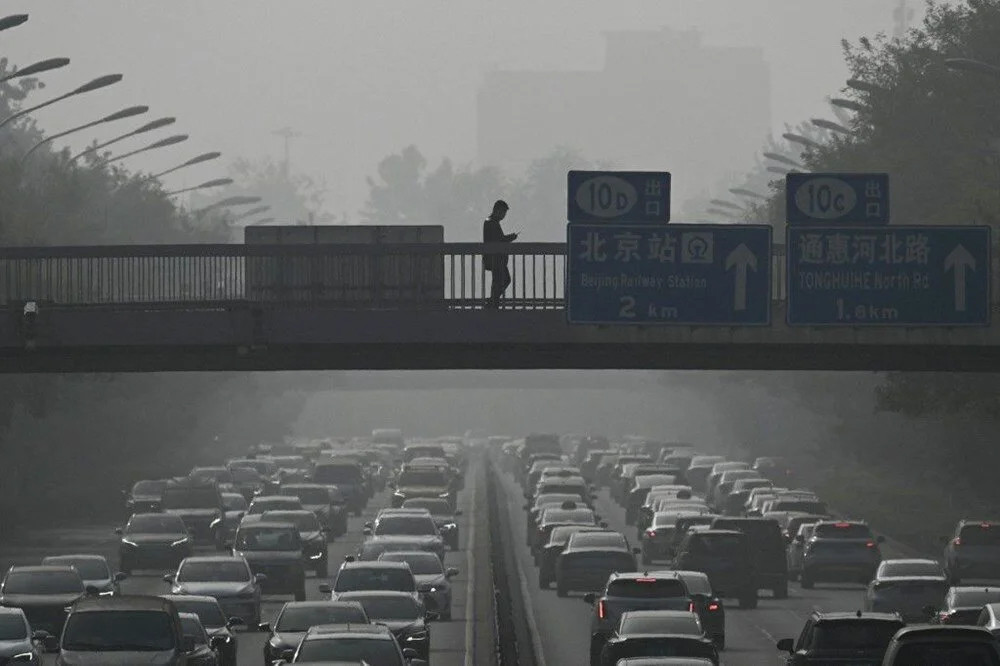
(362, 78)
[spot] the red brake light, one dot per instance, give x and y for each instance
(645, 580)
(870, 544)
(601, 610)
(651, 533)
(691, 607)
(985, 526)
(957, 541)
(713, 606)
(842, 525)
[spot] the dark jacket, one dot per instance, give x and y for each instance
(493, 233)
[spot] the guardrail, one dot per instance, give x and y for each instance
(361, 276)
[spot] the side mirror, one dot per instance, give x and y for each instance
(50, 643)
(786, 645)
(590, 598)
(637, 551)
(451, 572)
(593, 496)
(367, 531)
(325, 589)
(187, 643)
(410, 653)
(119, 531)
(259, 578)
(120, 576)
(603, 524)
(458, 512)
(227, 545)
(288, 655)
(597, 516)
(235, 622)
(799, 538)
(929, 610)
(368, 525)
(430, 616)
(168, 578)
(264, 626)
(92, 591)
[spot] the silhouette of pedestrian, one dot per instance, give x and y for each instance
(497, 263)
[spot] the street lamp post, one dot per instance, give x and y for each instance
(99, 82)
(218, 182)
(204, 157)
(120, 115)
(36, 68)
(148, 127)
(162, 143)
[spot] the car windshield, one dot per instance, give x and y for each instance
(151, 487)
(597, 540)
(395, 607)
(268, 538)
(222, 571)
(308, 495)
(209, 612)
(89, 568)
(802, 506)
(190, 498)
(371, 651)
(234, 502)
(42, 582)
(658, 623)
(568, 516)
(978, 597)
(300, 618)
(851, 635)
(422, 477)
(363, 578)
(12, 627)
(274, 504)
(978, 535)
(911, 569)
(118, 631)
(191, 626)
(421, 564)
(244, 475)
(699, 585)
(413, 525)
(947, 653)
(646, 588)
(304, 521)
(156, 524)
(842, 531)
(348, 474)
(437, 507)
(211, 474)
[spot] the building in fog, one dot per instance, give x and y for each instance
(664, 100)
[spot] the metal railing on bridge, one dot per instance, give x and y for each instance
(355, 276)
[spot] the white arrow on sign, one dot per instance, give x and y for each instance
(958, 260)
(741, 258)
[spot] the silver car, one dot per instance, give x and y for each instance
(433, 580)
(94, 571)
(908, 587)
(796, 549)
(16, 639)
(226, 578)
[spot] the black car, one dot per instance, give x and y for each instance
(153, 541)
(201, 652)
(311, 533)
(405, 616)
(295, 618)
(275, 550)
(145, 496)
(589, 558)
(767, 544)
(725, 557)
(219, 627)
(327, 502)
(423, 481)
(665, 645)
(551, 551)
(709, 607)
(43, 593)
(842, 638)
(346, 475)
(198, 505)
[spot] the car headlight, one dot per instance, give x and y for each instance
(444, 495)
(399, 494)
(23, 656)
(106, 593)
(126, 542)
(216, 522)
(317, 556)
(247, 592)
(179, 542)
(417, 636)
(449, 526)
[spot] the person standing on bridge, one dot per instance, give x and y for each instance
(497, 263)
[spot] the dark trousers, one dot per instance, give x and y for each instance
(501, 280)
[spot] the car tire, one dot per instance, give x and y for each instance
(561, 591)
(300, 592)
(543, 583)
(780, 590)
(806, 581)
(720, 641)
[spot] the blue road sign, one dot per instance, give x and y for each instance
(618, 196)
(892, 276)
(669, 274)
(837, 198)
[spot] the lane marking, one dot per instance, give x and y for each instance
(529, 608)
(470, 607)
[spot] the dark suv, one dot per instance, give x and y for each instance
(840, 551)
(842, 638)
(275, 550)
(725, 557)
(973, 551)
(198, 505)
(767, 544)
(346, 475)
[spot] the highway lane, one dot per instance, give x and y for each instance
(448, 639)
(564, 624)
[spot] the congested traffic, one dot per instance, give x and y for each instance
(660, 541)
(227, 542)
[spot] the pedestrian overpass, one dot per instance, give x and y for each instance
(390, 306)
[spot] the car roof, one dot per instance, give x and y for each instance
(368, 594)
(937, 632)
(820, 616)
(302, 486)
(7, 610)
(215, 558)
(660, 613)
(123, 602)
(269, 524)
(633, 575)
(715, 532)
(324, 603)
(190, 597)
(40, 568)
(55, 559)
(321, 631)
(375, 564)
